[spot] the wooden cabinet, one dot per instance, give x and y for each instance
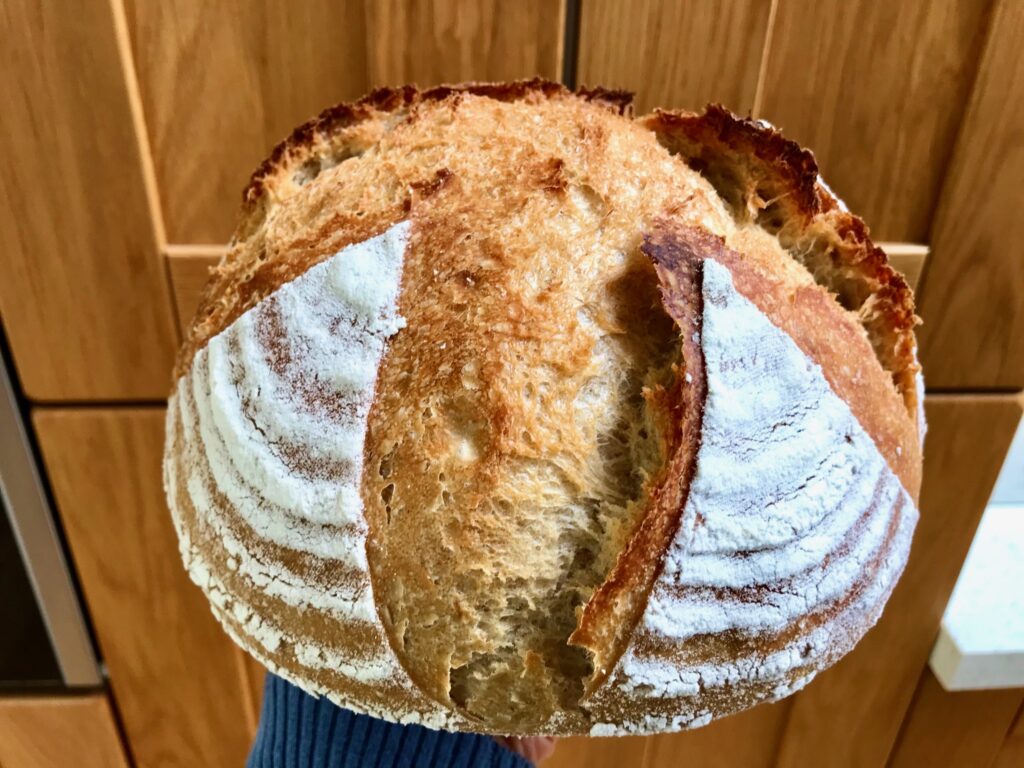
(132, 128)
(85, 304)
(959, 729)
(973, 297)
(179, 682)
(855, 709)
(54, 732)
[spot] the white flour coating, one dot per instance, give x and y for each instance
(790, 500)
(790, 503)
(922, 424)
(270, 422)
(839, 202)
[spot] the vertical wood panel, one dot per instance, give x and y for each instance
(675, 54)
(749, 739)
(223, 82)
(254, 674)
(877, 90)
(173, 671)
(973, 294)
(53, 732)
(962, 729)
(854, 710)
(82, 291)
(446, 41)
(189, 269)
(1012, 753)
(585, 752)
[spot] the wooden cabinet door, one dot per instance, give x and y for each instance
(851, 714)
(55, 732)
(972, 297)
(178, 680)
(83, 294)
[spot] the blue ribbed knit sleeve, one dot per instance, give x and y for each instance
(298, 731)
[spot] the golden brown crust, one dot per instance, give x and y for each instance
(523, 265)
(830, 337)
(608, 618)
(339, 133)
(537, 235)
(773, 182)
(827, 334)
(310, 137)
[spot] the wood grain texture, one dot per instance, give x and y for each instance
(962, 729)
(447, 41)
(908, 259)
(675, 54)
(174, 673)
(254, 674)
(584, 752)
(877, 90)
(53, 732)
(1011, 755)
(749, 739)
(189, 268)
(973, 290)
(82, 292)
(853, 711)
(223, 82)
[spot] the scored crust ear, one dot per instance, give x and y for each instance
(773, 183)
(608, 618)
(794, 531)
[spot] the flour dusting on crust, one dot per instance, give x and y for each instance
(793, 513)
(266, 433)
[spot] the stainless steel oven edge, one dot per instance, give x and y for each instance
(32, 521)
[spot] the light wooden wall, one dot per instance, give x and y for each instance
(174, 673)
(53, 731)
(132, 126)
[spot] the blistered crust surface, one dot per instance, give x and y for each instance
(793, 534)
(531, 212)
(265, 437)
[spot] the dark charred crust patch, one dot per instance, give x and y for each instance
(549, 175)
(709, 140)
(516, 90)
(618, 100)
(771, 181)
(426, 188)
(676, 259)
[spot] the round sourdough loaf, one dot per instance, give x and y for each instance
(508, 412)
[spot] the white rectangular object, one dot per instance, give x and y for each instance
(981, 641)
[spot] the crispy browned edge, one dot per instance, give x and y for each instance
(793, 172)
(301, 145)
(780, 170)
(608, 619)
(768, 167)
(320, 137)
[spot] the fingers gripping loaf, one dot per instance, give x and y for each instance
(508, 413)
